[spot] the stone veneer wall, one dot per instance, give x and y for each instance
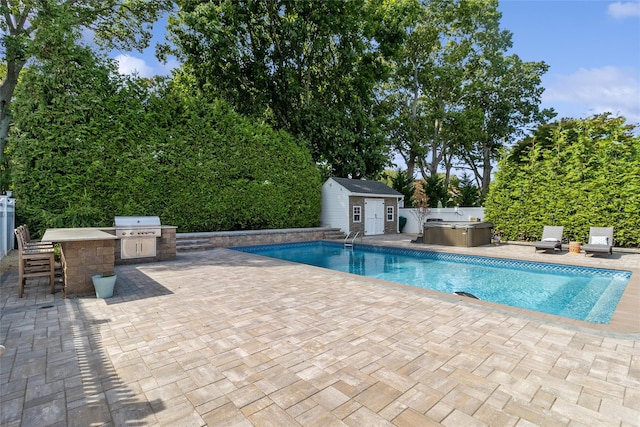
(228, 239)
(81, 261)
(391, 227)
(356, 226)
(166, 249)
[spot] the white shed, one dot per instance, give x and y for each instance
(357, 205)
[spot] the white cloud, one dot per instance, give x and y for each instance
(596, 91)
(130, 65)
(620, 10)
(145, 67)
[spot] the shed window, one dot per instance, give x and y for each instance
(390, 213)
(357, 214)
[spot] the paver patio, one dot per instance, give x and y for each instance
(224, 338)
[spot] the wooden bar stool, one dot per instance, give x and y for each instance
(34, 261)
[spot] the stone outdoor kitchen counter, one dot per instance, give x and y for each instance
(94, 250)
(84, 252)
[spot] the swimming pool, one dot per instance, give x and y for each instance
(582, 293)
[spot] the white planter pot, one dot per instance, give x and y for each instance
(104, 285)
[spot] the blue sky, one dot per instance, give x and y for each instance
(592, 48)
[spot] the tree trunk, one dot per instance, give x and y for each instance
(437, 148)
(448, 165)
(486, 169)
(411, 167)
(6, 93)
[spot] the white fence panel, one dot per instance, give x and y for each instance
(445, 214)
(7, 223)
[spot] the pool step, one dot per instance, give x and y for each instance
(607, 302)
(582, 305)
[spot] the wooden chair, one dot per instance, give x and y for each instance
(26, 238)
(34, 261)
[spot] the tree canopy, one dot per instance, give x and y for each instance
(33, 29)
(454, 97)
(306, 67)
(89, 144)
(575, 173)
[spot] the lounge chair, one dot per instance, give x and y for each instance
(551, 238)
(600, 241)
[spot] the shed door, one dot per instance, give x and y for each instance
(373, 216)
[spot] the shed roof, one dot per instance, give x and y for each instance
(362, 186)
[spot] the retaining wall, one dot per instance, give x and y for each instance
(228, 239)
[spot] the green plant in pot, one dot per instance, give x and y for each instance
(104, 283)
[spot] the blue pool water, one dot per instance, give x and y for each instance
(582, 293)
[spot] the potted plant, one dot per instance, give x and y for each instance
(104, 284)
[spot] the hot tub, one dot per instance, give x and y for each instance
(466, 234)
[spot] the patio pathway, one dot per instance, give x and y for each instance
(223, 338)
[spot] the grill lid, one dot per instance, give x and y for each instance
(136, 221)
(137, 226)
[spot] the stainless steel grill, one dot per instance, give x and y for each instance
(137, 235)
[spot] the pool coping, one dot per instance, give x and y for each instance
(625, 319)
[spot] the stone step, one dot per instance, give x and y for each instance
(195, 247)
(190, 244)
(335, 235)
(187, 242)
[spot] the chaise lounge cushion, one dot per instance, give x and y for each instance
(599, 240)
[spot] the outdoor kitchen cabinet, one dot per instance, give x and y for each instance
(138, 247)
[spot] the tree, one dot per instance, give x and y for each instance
(421, 205)
(452, 94)
(575, 173)
(31, 29)
(306, 67)
(469, 194)
(399, 180)
(436, 191)
(400, 104)
(89, 143)
(426, 90)
(505, 97)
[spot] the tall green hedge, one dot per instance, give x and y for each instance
(88, 144)
(575, 173)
